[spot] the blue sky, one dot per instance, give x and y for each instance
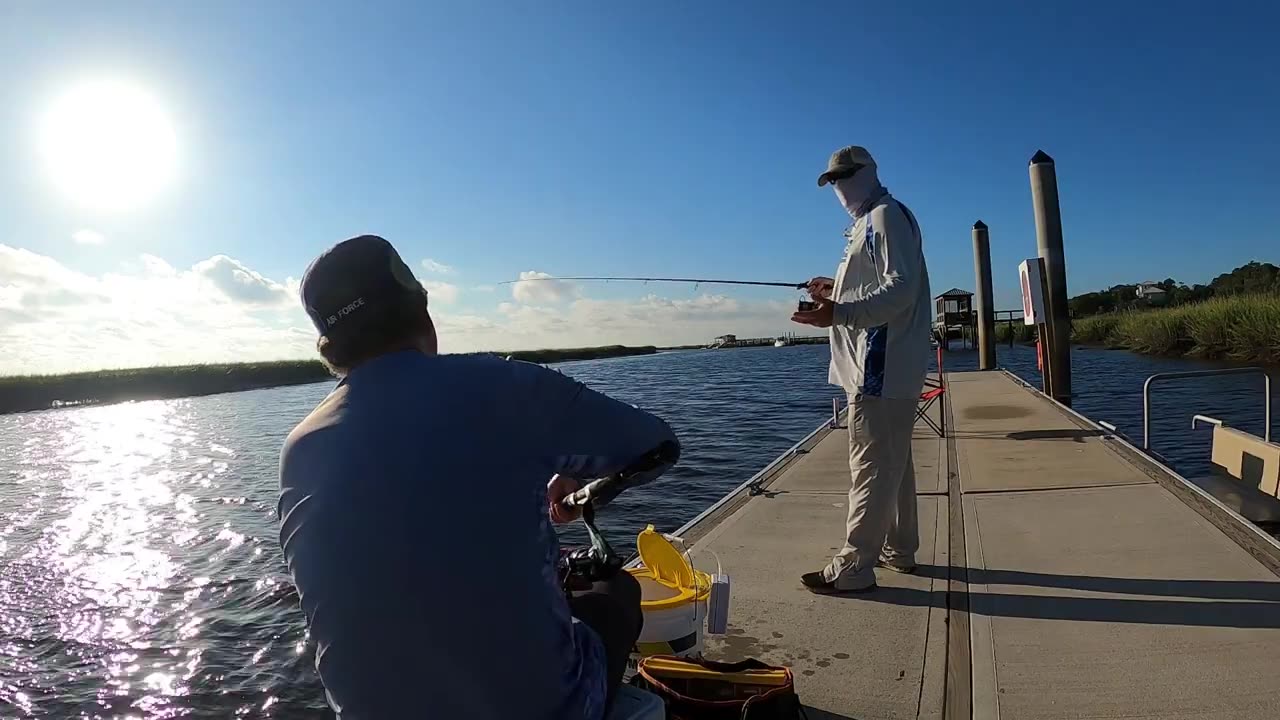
(668, 138)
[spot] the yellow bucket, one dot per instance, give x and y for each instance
(673, 599)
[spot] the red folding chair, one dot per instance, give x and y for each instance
(930, 397)
(932, 394)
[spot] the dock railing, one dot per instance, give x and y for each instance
(1169, 376)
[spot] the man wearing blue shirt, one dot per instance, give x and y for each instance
(415, 509)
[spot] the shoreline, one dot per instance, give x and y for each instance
(33, 393)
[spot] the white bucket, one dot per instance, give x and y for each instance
(677, 629)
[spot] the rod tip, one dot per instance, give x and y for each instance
(979, 225)
(1040, 158)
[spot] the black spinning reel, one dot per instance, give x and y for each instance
(597, 561)
(590, 563)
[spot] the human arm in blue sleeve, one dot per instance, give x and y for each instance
(590, 435)
(901, 263)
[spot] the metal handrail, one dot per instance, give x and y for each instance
(1146, 395)
(1197, 419)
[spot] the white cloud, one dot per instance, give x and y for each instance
(88, 237)
(535, 287)
(434, 266)
(40, 282)
(442, 291)
(157, 266)
(241, 284)
(10, 297)
(54, 319)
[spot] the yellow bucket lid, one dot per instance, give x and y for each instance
(663, 560)
(666, 565)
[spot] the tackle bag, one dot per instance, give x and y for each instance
(696, 689)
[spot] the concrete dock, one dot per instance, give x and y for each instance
(1062, 575)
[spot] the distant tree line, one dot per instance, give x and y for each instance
(1254, 278)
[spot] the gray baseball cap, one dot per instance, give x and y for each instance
(845, 161)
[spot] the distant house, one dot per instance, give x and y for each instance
(1151, 293)
(723, 341)
(954, 317)
(956, 303)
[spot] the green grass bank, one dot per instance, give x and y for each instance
(1242, 328)
(23, 393)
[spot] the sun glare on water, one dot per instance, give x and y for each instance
(108, 145)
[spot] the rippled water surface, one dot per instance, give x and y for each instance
(139, 568)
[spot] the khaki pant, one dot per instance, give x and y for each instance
(882, 498)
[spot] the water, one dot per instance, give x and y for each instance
(139, 568)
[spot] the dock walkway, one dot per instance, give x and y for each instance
(1060, 577)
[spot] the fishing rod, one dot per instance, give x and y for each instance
(697, 281)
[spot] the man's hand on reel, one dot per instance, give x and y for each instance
(820, 287)
(559, 489)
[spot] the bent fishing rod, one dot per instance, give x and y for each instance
(696, 281)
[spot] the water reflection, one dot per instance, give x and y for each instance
(118, 583)
(106, 557)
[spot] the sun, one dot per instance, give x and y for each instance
(108, 145)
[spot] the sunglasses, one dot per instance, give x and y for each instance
(844, 174)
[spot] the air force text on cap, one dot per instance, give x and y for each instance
(357, 303)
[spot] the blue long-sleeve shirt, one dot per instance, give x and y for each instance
(413, 518)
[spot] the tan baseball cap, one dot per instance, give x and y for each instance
(845, 160)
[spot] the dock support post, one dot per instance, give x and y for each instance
(982, 283)
(1044, 199)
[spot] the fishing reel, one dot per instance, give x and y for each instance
(581, 566)
(806, 304)
(597, 561)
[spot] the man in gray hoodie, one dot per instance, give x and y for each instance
(878, 310)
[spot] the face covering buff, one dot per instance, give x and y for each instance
(859, 191)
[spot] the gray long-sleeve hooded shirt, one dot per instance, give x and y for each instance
(413, 517)
(881, 327)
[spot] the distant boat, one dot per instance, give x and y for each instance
(782, 342)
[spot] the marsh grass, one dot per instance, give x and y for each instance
(1244, 328)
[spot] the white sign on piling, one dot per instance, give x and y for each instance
(1029, 274)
